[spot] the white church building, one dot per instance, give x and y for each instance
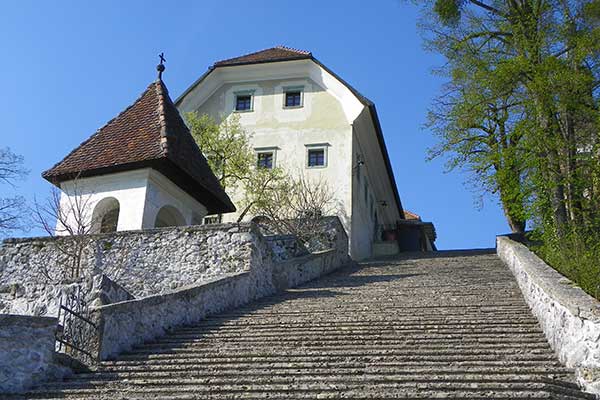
(306, 119)
(141, 170)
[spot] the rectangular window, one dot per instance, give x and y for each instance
(264, 159)
(293, 98)
(316, 158)
(213, 219)
(243, 102)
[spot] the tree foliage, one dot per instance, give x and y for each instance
(520, 110)
(296, 205)
(227, 148)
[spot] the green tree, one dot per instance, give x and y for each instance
(227, 148)
(530, 69)
(543, 55)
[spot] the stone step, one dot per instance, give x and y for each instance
(366, 314)
(317, 372)
(510, 394)
(430, 332)
(320, 362)
(374, 388)
(401, 306)
(325, 361)
(327, 325)
(329, 379)
(314, 355)
(397, 342)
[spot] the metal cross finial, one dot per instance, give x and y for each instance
(161, 67)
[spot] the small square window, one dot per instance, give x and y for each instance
(316, 158)
(293, 98)
(213, 219)
(265, 160)
(243, 102)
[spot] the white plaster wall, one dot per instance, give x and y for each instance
(289, 130)
(162, 192)
(129, 188)
(331, 114)
(374, 173)
(140, 193)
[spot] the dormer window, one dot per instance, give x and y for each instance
(243, 101)
(293, 97)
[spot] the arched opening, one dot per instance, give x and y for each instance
(105, 217)
(169, 216)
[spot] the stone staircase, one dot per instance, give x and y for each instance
(453, 326)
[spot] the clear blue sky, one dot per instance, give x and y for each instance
(69, 67)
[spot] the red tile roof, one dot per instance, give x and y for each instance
(279, 53)
(149, 133)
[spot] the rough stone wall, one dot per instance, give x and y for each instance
(285, 247)
(127, 324)
(143, 262)
(569, 317)
(43, 299)
(27, 352)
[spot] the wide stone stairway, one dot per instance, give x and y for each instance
(453, 325)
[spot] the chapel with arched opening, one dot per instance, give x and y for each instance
(141, 170)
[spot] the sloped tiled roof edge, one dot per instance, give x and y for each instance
(148, 133)
(273, 54)
(364, 100)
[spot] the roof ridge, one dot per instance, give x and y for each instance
(99, 130)
(297, 52)
(280, 46)
(161, 92)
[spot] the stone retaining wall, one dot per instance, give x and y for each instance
(126, 324)
(43, 299)
(142, 262)
(569, 317)
(27, 352)
(294, 272)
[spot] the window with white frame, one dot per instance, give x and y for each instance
(316, 156)
(244, 101)
(265, 158)
(293, 97)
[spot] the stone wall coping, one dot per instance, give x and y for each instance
(280, 237)
(29, 321)
(304, 259)
(146, 232)
(185, 291)
(556, 285)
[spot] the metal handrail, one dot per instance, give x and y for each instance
(70, 321)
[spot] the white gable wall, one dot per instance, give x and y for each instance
(327, 117)
(289, 131)
(140, 194)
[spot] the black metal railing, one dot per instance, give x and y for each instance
(77, 335)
